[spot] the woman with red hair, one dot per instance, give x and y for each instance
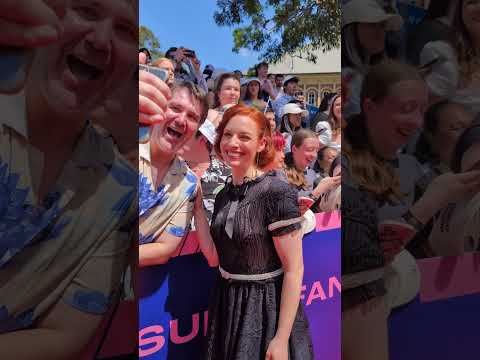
(256, 237)
(278, 144)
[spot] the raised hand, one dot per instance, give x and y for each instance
(153, 95)
(30, 23)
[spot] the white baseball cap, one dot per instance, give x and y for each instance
(249, 80)
(292, 108)
(290, 77)
(369, 11)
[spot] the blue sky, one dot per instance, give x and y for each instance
(190, 23)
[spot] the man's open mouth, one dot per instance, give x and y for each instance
(82, 70)
(174, 133)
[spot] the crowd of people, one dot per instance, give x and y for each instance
(410, 155)
(401, 142)
(243, 162)
(68, 195)
(304, 146)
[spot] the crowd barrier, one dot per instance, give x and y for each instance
(443, 321)
(174, 298)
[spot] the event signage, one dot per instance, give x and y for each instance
(173, 309)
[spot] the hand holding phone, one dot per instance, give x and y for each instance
(153, 94)
(305, 203)
(189, 53)
(34, 24)
(162, 74)
(394, 235)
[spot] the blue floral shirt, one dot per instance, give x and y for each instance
(166, 209)
(73, 245)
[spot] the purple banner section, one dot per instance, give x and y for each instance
(442, 322)
(174, 301)
(444, 329)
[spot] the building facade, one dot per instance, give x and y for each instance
(315, 79)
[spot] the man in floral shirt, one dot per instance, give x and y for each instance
(167, 185)
(67, 198)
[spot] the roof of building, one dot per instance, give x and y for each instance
(328, 62)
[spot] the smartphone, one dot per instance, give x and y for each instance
(306, 201)
(162, 74)
(144, 129)
(401, 229)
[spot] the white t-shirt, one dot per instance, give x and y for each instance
(456, 229)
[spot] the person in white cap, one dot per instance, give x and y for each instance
(290, 85)
(292, 115)
(451, 67)
(364, 27)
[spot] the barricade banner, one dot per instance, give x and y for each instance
(173, 304)
(442, 322)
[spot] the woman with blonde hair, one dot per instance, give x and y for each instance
(305, 146)
(166, 64)
(378, 184)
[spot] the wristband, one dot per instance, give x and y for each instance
(413, 221)
(313, 197)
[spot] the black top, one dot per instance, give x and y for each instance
(360, 238)
(263, 201)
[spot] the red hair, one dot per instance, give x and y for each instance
(278, 141)
(263, 126)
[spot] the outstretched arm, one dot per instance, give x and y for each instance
(203, 231)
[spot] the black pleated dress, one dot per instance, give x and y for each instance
(243, 315)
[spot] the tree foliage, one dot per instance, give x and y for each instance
(279, 27)
(147, 39)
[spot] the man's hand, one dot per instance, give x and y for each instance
(179, 55)
(267, 87)
(153, 95)
(30, 23)
(196, 64)
(301, 98)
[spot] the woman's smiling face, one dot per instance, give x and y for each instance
(392, 120)
(241, 142)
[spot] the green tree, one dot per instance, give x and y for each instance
(279, 27)
(251, 72)
(147, 39)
